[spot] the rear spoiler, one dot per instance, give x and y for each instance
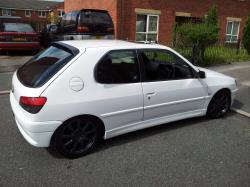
(74, 51)
(94, 10)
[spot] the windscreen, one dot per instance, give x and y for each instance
(38, 70)
(96, 18)
(17, 27)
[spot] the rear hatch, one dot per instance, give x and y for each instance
(33, 77)
(18, 33)
(95, 22)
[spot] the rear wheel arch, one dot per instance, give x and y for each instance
(86, 116)
(77, 136)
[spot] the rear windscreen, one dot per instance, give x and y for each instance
(43, 66)
(95, 18)
(17, 27)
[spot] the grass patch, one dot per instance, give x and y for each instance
(219, 55)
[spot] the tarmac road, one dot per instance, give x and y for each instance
(193, 152)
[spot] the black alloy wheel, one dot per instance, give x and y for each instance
(219, 105)
(76, 137)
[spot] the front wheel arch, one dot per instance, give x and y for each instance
(225, 90)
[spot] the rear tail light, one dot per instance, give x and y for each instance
(110, 30)
(82, 29)
(32, 104)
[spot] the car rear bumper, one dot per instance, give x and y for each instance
(36, 133)
(19, 46)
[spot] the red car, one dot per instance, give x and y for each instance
(18, 36)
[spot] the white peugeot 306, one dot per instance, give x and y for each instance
(76, 92)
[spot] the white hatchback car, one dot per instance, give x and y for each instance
(75, 92)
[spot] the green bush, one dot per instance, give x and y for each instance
(200, 35)
(246, 35)
(212, 17)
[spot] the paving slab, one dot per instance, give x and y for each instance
(5, 81)
(11, 63)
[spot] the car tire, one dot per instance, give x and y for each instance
(219, 104)
(76, 137)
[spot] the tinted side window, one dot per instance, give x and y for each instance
(69, 19)
(73, 19)
(63, 20)
(118, 67)
(164, 65)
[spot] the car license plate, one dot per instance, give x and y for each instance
(19, 39)
(99, 37)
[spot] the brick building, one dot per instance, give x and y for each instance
(144, 20)
(34, 12)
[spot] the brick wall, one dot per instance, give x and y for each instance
(124, 16)
(226, 8)
(166, 19)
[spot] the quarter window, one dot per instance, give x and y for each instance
(118, 67)
(232, 31)
(6, 12)
(162, 65)
(146, 28)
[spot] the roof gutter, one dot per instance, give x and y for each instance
(27, 9)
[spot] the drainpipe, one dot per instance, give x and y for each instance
(120, 18)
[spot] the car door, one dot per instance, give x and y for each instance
(120, 88)
(169, 85)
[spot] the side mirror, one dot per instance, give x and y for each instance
(53, 29)
(201, 74)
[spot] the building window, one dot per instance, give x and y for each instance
(146, 28)
(27, 13)
(6, 12)
(60, 13)
(42, 13)
(232, 32)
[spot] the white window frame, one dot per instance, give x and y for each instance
(231, 33)
(147, 26)
(6, 12)
(60, 12)
(40, 13)
(29, 13)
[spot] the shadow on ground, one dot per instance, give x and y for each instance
(238, 104)
(141, 134)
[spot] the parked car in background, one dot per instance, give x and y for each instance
(76, 92)
(17, 35)
(80, 25)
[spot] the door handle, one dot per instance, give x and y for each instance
(150, 94)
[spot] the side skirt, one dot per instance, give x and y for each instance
(152, 122)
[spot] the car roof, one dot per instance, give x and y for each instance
(115, 44)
